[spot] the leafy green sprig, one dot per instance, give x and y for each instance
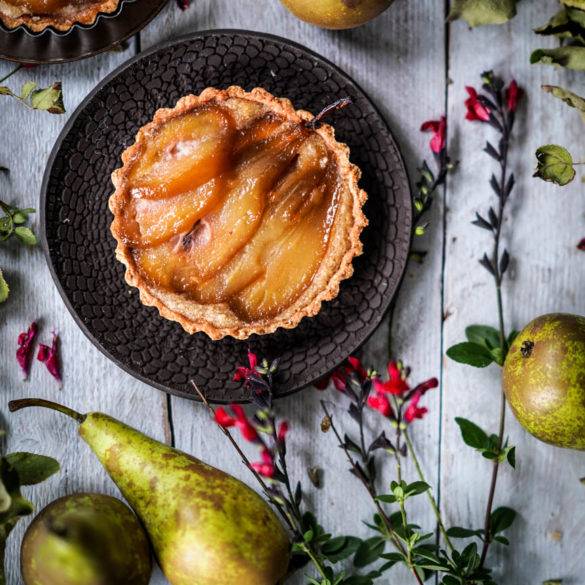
(17, 470)
(33, 97)
(12, 224)
(485, 344)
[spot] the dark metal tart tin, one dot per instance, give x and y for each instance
(80, 41)
(76, 220)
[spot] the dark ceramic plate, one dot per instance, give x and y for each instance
(23, 46)
(76, 220)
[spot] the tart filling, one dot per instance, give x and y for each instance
(61, 15)
(234, 216)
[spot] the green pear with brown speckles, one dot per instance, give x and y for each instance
(205, 526)
(544, 379)
(85, 539)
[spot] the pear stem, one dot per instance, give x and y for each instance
(15, 405)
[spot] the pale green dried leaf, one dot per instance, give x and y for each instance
(571, 57)
(482, 12)
(49, 99)
(4, 289)
(554, 164)
(575, 3)
(27, 89)
(5, 90)
(570, 98)
(25, 235)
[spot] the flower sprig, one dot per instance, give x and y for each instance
(48, 99)
(311, 542)
(495, 106)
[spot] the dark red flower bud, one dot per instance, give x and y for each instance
(513, 95)
(475, 109)
(25, 348)
(423, 387)
(50, 357)
(439, 130)
(282, 431)
(223, 419)
(581, 245)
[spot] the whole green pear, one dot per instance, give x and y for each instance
(206, 527)
(544, 379)
(337, 14)
(85, 539)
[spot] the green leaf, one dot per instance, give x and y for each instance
(553, 582)
(484, 335)
(5, 90)
(571, 57)
(32, 468)
(49, 99)
(27, 89)
(501, 519)
(4, 289)
(472, 435)
(554, 163)
(575, 3)
(570, 98)
(511, 456)
(369, 551)
(459, 532)
(25, 235)
(416, 488)
(481, 12)
(471, 354)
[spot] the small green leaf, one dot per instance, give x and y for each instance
(472, 435)
(501, 519)
(481, 12)
(369, 551)
(459, 532)
(5, 90)
(571, 57)
(27, 89)
(553, 582)
(570, 98)
(49, 99)
(554, 164)
(25, 235)
(484, 335)
(5, 499)
(4, 289)
(32, 468)
(471, 354)
(511, 456)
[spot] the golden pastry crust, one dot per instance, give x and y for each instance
(218, 320)
(61, 21)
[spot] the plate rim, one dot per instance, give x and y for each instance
(88, 55)
(385, 307)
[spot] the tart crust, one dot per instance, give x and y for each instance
(84, 14)
(218, 320)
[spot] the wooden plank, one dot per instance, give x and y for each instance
(91, 382)
(542, 228)
(402, 67)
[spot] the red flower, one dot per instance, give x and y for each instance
(513, 95)
(439, 130)
(242, 372)
(424, 387)
(413, 410)
(223, 419)
(581, 245)
(266, 466)
(380, 403)
(282, 431)
(25, 348)
(240, 420)
(50, 357)
(475, 109)
(339, 376)
(395, 384)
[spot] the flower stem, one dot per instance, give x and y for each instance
(432, 500)
(18, 68)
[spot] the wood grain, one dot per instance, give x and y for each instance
(401, 61)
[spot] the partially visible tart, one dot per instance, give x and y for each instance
(37, 15)
(235, 215)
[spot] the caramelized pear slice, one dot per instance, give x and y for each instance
(294, 197)
(157, 220)
(232, 225)
(187, 152)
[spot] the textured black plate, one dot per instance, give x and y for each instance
(80, 249)
(81, 41)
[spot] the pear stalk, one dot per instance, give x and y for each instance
(15, 405)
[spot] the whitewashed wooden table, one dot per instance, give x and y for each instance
(414, 66)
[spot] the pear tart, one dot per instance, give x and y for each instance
(235, 215)
(37, 15)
